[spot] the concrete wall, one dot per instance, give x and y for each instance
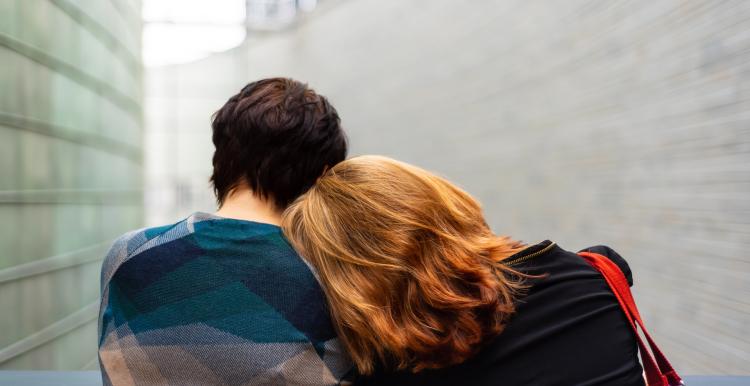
(70, 169)
(624, 123)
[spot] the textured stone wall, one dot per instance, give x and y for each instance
(70, 170)
(624, 123)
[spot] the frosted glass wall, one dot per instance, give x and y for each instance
(70, 170)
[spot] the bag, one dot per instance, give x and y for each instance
(659, 371)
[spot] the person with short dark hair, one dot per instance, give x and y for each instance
(223, 299)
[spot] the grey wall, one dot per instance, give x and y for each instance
(617, 122)
(70, 169)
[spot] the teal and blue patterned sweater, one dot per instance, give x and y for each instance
(214, 301)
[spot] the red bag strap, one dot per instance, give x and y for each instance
(659, 371)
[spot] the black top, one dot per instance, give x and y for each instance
(568, 330)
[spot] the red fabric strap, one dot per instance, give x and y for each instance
(659, 371)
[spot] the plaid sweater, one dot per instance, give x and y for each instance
(214, 301)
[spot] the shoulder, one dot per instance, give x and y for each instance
(615, 257)
(134, 242)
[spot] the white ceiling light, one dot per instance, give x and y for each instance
(194, 11)
(179, 31)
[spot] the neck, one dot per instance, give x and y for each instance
(243, 204)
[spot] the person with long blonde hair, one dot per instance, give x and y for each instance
(421, 291)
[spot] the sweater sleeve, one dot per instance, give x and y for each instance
(615, 257)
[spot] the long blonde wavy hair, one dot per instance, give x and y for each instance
(410, 268)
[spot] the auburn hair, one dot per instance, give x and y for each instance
(410, 268)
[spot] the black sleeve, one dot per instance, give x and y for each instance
(615, 257)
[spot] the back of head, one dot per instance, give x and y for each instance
(277, 136)
(408, 263)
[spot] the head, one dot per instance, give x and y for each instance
(275, 137)
(410, 268)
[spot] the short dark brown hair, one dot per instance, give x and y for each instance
(277, 136)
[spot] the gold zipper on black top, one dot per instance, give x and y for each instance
(530, 256)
